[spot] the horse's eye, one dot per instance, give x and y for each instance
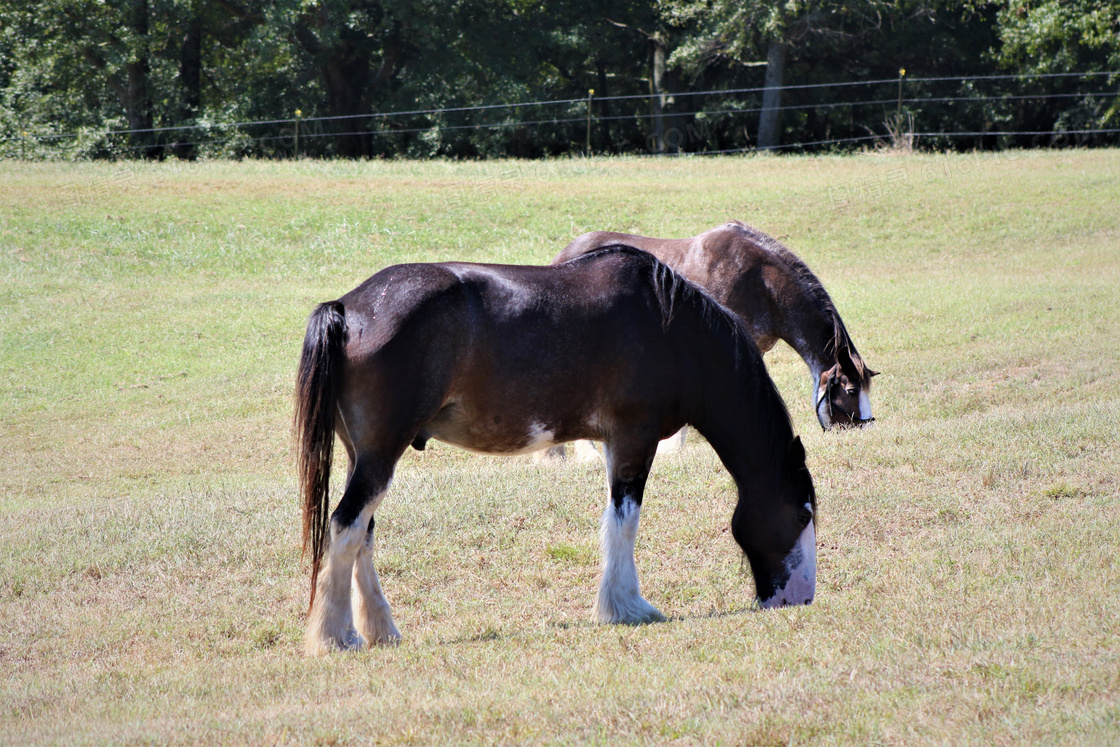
(851, 391)
(805, 516)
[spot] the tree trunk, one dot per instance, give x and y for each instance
(190, 77)
(345, 76)
(138, 102)
(770, 119)
(657, 100)
(345, 65)
(601, 90)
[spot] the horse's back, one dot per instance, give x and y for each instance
(713, 259)
(488, 295)
(672, 252)
(503, 358)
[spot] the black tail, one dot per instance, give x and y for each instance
(316, 408)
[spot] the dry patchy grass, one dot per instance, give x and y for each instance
(151, 587)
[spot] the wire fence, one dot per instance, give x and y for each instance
(1030, 110)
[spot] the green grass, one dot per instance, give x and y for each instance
(151, 585)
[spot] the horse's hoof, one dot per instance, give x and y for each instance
(637, 614)
(647, 618)
(316, 646)
(392, 639)
(353, 642)
(378, 627)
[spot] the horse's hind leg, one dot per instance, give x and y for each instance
(620, 598)
(373, 618)
(330, 623)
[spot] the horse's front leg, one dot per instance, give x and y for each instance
(620, 598)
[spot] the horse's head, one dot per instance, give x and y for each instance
(777, 534)
(842, 399)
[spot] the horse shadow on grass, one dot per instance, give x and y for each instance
(490, 634)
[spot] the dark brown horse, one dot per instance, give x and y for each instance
(612, 346)
(776, 296)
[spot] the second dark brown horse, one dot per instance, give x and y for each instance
(776, 296)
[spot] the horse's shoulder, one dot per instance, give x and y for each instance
(733, 225)
(589, 242)
(598, 238)
(737, 243)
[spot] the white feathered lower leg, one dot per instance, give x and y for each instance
(330, 623)
(372, 615)
(620, 599)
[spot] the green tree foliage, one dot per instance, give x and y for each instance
(1063, 37)
(1066, 36)
(384, 78)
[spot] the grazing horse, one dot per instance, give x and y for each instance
(503, 359)
(777, 297)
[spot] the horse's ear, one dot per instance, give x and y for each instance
(829, 376)
(795, 454)
(871, 373)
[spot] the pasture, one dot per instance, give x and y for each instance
(151, 584)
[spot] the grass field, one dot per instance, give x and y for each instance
(151, 585)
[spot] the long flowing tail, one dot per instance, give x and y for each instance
(316, 408)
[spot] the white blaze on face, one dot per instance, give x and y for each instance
(801, 563)
(864, 406)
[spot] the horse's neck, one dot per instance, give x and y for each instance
(746, 455)
(795, 314)
(742, 418)
(810, 331)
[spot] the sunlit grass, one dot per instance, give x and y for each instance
(151, 586)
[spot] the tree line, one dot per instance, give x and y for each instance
(399, 78)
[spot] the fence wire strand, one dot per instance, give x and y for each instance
(289, 126)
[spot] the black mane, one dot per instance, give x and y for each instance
(814, 289)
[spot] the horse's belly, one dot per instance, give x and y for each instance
(492, 433)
